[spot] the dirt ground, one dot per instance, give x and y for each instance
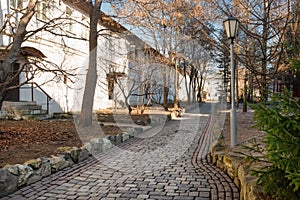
(245, 130)
(23, 140)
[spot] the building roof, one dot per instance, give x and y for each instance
(111, 24)
(24, 52)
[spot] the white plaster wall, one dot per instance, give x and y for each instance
(72, 55)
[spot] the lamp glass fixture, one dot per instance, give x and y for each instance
(231, 27)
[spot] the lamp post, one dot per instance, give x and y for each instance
(245, 92)
(231, 27)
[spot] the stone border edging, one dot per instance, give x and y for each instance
(236, 167)
(14, 177)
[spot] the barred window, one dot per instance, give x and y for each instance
(69, 13)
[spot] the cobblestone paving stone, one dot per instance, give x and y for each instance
(169, 164)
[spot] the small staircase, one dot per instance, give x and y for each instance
(24, 110)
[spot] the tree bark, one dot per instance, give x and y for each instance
(12, 55)
(237, 84)
(176, 101)
(166, 94)
(86, 115)
(263, 86)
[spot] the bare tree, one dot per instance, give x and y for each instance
(23, 29)
(260, 46)
(163, 22)
(91, 77)
(143, 83)
(12, 55)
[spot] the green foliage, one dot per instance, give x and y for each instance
(295, 64)
(281, 122)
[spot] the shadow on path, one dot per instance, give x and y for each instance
(167, 163)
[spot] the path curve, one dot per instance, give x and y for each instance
(170, 164)
(222, 186)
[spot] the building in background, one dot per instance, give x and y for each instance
(121, 56)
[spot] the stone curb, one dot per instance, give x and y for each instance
(14, 177)
(237, 168)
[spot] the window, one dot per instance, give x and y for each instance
(69, 13)
(84, 30)
(16, 4)
(111, 85)
(42, 10)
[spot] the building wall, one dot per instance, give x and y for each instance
(114, 55)
(72, 56)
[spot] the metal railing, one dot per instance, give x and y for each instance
(35, 85)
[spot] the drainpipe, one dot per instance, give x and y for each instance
(1, 24)
(8, 12)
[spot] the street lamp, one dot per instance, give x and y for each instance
(245, 91)
(231, 27)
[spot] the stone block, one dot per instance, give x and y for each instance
(8, 182)
(88, 147)
(118, 139)
(228, 165)
(107, 144)
(58, 163)
(220, 164)
(131, 134)
(237, 181)
(42, 168)
(130, 131)
(34, 177)
(125, 136)
(74, 152)
(24, 174)
(13, 169)
(45, 168)
(83, 154)
(34, 163)
(96, 146)
(115, 139)
(173, 115)
(68, 158)
(3, 114)
(111, 138)
(235, 167)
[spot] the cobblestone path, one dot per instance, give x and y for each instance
(169, 162)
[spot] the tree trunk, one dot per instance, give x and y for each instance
(237, 84)
(200, 86)
(1, 25)
(128, 105)
(187, 86)
(191, 84)
(245, 95)
(190, 93)
(166, 94)
(176, 100)
(86, 115)
(263, 85)
(12, 55)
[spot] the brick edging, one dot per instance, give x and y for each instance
(220, 183)
(234, 165)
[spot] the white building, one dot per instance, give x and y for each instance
(64, 44)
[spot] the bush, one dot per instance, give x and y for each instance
(281, 122)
